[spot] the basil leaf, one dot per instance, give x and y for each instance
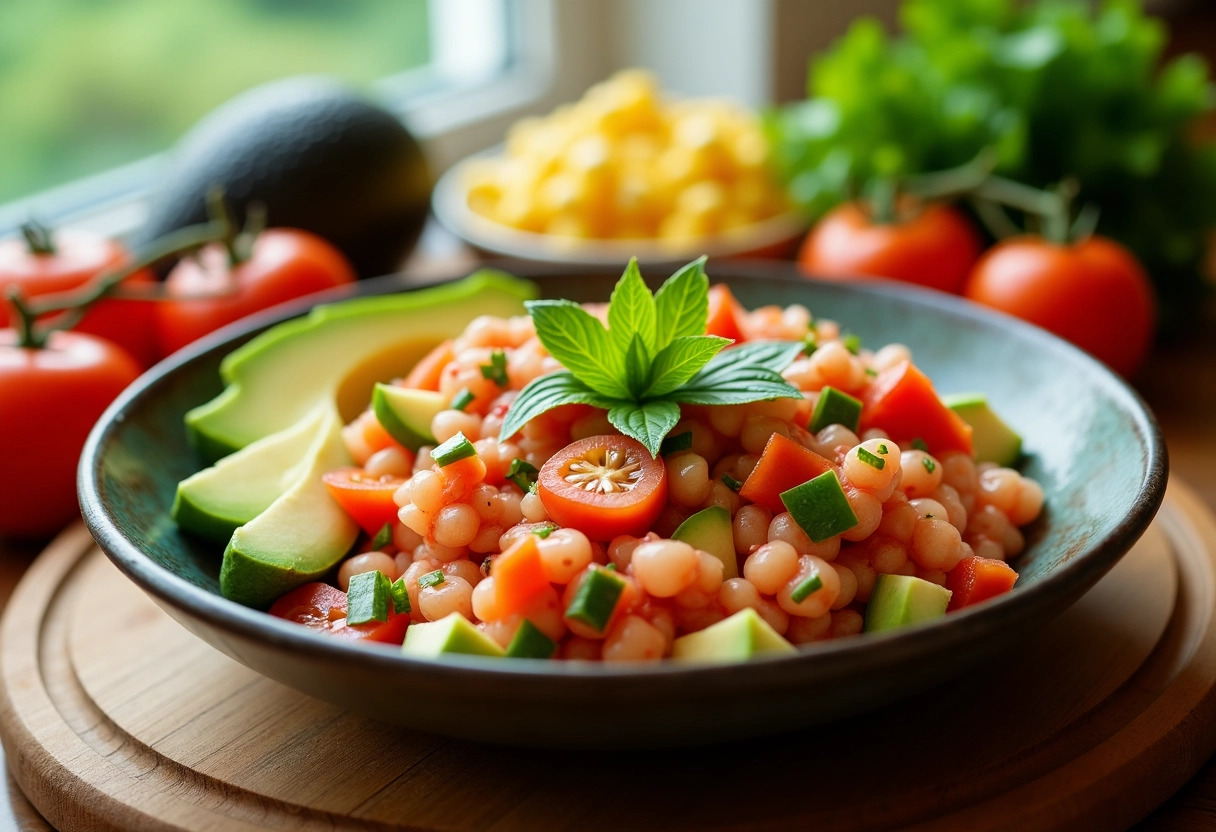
(544, 393)
(579, 341)
(648, 423)
(636, 370)
(773, 355)
(747, 373)
(631, 312)
(680, 360)
(682, 304)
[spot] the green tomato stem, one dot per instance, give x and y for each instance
(38, 238)
(994, 218)
(883, 199)
(952, 182)
(23, 320)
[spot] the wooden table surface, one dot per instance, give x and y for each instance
(1179, 385)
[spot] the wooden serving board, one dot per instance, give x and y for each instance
(114, 717)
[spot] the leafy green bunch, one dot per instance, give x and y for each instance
(1054, 88)
(653, 356)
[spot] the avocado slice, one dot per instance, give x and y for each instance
(407, 414)
(709, 530)
(301, 535)
(216, 500)
(451, 634)
(902, 601)
(991, 439)
(337, 353)
(742, 636)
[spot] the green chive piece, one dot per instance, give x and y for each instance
(367, 598)
(611, 567)
(530, 643)
(679, 442)
(462, 399)
(544, 531)
(834, 407)
(929, 464)
(919, 444)
(871, 372)
(496, 370)
(523, 474)
(401, 596)
(454, 450)
(731, 483)
(596, 599)
(800, 593)
(431, 579)
(820, 507)
(883, 449)
(870, 459)
(534, 488)
(809, 344)
(383, 537)
(851, 342)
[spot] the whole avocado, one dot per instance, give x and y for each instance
(318, 156)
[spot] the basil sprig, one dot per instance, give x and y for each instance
(653, 355)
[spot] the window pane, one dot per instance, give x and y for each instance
(87, 85)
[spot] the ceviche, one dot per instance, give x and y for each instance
(664, 475)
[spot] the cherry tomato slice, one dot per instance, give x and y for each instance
(323, 607)
(604, 486)
(366, 498)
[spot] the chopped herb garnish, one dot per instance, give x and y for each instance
(679, 442)
(731, 483)
(454, 450)
(809, 344)
(383, 537)
(919, 445)
(870, 459)
(611, 567)
(652, 357)
(496, 370)
(523, 474)
(534, 488)
(883, 449)
(401, 596)
(929, 464)
(805, 588)
(871, 372)
(485, 566)
(367, 598)
(430, 579)
(851, 342)
(544, 531)
(462, 399)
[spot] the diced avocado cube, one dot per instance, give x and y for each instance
(742, 636)
(530, 643)
(991, 439)
(710, 531)
(452, 634)
(407, 414)
(834, 407)
(596, 599)
(368, 597)
(903, 601)
(820, 507)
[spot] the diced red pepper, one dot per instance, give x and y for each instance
(724, 312)
(977, 579)
(783, 465)
(323, 607)
(518, 575)
(901, 400)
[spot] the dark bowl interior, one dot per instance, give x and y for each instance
(1090, 441)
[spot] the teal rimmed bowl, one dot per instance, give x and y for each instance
(1090, 441)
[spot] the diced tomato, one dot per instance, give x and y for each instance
(323, 607)
(459, 478)
(977, 579)
(425, 374)
(724, 312)
(901, 400)
(518, 575)
(367, 499)
(783, 465)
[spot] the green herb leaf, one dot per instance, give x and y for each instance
(523, 474)
(682, 304)
(579, 341)
(748, 373)
(496, 370)
(637, 369)
(648, 423)
(383, 537)
(675, 444)
(544, 393)
(631, 312)
(680, 360)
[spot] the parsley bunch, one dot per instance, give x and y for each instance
(653, 356)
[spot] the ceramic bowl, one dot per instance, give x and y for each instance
(1090, 441)
(774, 237)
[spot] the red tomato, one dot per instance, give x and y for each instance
(934, 246)
(724, 314)
(49, 400)
(79, 256)
(367, 499)
(285, 264)
(604, 486)
(323, 607)
(1093, 293)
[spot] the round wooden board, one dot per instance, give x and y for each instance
(114, 717)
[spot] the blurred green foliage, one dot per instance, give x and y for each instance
(1056, 87)
(86, 85)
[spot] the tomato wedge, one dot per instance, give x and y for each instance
(901, 400)
(367, 499)
(724, 312)
(323, 607)
(604, 486)
(977, 579)
(425, 374)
